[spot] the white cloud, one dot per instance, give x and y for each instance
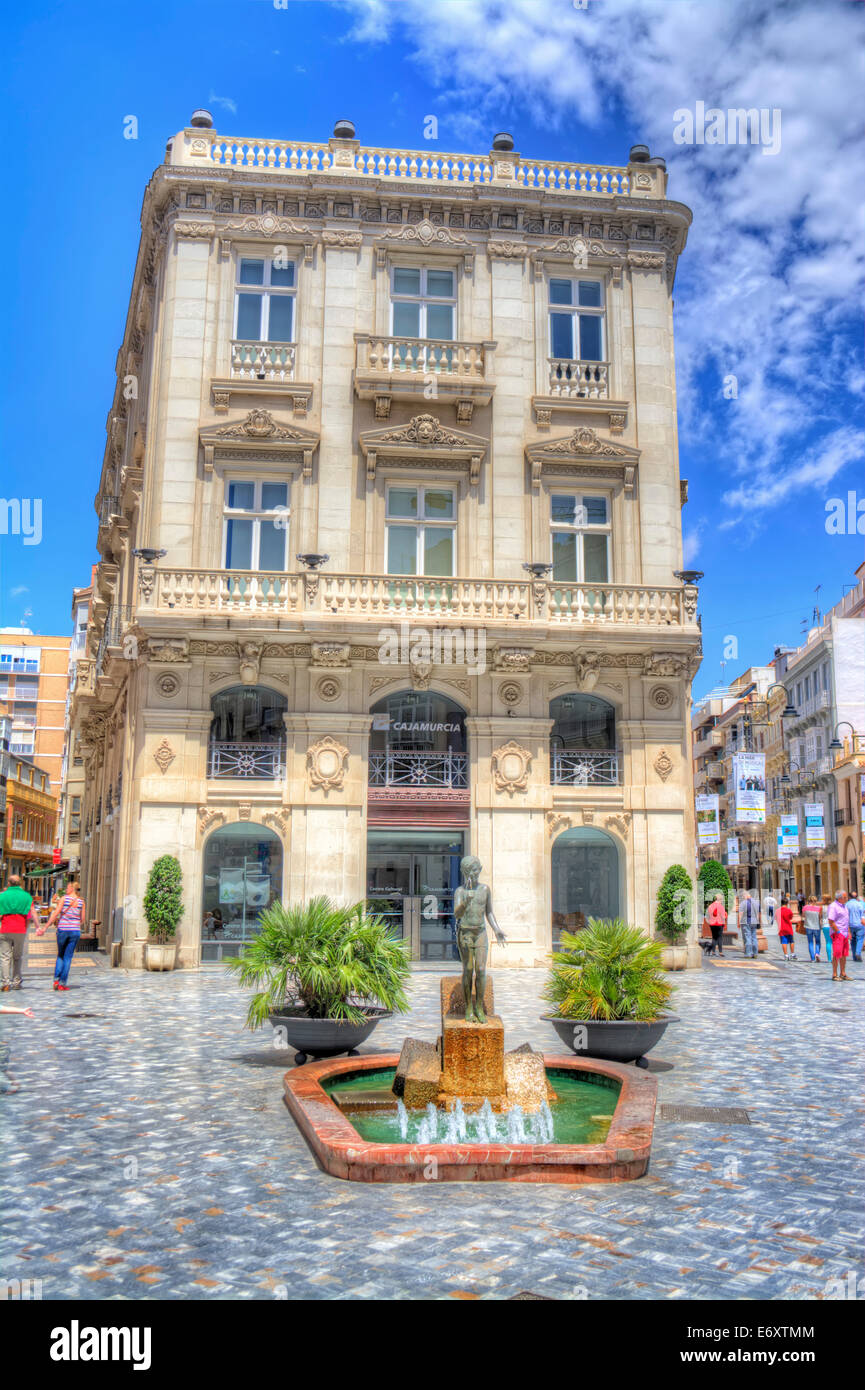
(18, 590)
(769, 282)
(228, 102)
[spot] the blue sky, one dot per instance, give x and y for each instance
(768, 291)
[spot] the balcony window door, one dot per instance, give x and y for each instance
(255, 524)
(421, 530)
(264, 300)
(423, 303)
(577, 320)
(580, 537)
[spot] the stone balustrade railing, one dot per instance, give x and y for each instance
(577, 380)
(346, 158)
(263, 361)
(347, 597)
(422, 355)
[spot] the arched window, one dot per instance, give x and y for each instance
(583, 741)
(247, 733)
(418, 739)
(242, 877)
(585, 879)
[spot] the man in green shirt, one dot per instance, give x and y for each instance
(16, 910)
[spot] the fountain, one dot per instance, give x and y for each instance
(463, 1108)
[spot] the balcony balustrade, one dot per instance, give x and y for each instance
(357, 596)
(585, 767)
(418, 769)
(843, 816)
(421, 355)
(263, 361)
(264, 760)
(576, 380)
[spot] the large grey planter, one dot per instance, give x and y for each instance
(621, 1040)
(324, 1037)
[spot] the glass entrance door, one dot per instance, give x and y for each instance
(411, 880)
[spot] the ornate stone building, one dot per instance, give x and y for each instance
(389, 526)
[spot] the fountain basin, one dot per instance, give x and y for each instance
(341, 1151)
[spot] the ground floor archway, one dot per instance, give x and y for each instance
(586, 879)
(242, 875)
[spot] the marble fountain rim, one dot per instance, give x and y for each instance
(340, 1150)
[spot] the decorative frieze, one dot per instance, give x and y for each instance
(326, 764)
(510, 766)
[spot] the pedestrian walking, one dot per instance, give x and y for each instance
(16, 910)
(68, 914)
(800, 900)
(825, 925)
(770, 904)
(857, 930)
(716, 916)
(785, 928)
(811, 919)
(839, 927)
(749, 920)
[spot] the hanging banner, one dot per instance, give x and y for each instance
(732, 851)
(749, 779)
(708, 820)
(788, 836)
(815, 830)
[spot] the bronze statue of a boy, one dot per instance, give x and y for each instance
(473, 907)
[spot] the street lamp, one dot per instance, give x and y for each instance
(312, 561)
(537, 569)
(836, 746)
(688, 576)
(148, 554)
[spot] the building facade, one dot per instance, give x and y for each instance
(72, 768)
(34, 679)
(390, 538)
(28, 817)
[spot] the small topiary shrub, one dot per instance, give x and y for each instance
(675, 904)
(163, 901)
(713, 878)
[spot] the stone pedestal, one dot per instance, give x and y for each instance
(473, 1061)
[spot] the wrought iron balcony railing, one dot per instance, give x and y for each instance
(585, 767)
(422, 769)
(265, 760)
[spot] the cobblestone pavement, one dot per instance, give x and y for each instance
(148, 1154)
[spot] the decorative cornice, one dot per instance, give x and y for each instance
(422, 436)
(259, 430)
(550, 455)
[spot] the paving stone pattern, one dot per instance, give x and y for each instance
(148, 1154)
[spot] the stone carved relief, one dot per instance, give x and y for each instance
(174, 651)
(661, 697)
(250, 662)
(587, 668)
(260, 424)
(420, 673)
(665, 664)
(168, 684)
(244, 810)
(557, 822)
(510, 693)
(330, 655)
(209, 818)
(326, 764)
(621, 821)
(510, 767)
(663, 764)
(164, 756)
(514, 659)
(328, 688)
(278, 820)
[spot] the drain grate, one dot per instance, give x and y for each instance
(705, 1114)
(830, 1010)
(82, 1015)
(524, 1295)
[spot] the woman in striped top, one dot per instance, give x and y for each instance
(68, 914)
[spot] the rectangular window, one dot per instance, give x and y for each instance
(423, 303)
(265, 294)
(75, 818)
(580, 537)
(421, 530)
(256, 524)
(577, 320)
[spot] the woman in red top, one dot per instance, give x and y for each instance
(785, 928)
(716, 916)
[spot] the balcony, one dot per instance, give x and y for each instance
(843, 816)
(263, 361)
(715, 771)
(352, 597)
(388, 368)
(418, 769)
(570, 379)
(31, 846)
(585, 767)
(262, 760)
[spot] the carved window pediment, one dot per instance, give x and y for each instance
(582, 452)
(422, 440)
(259, 438)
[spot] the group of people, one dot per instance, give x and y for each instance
(17, 912)
(837, 920)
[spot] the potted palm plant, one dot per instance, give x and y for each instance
(609, 992)
(673, 916)
(323, 974)
(163, 909)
